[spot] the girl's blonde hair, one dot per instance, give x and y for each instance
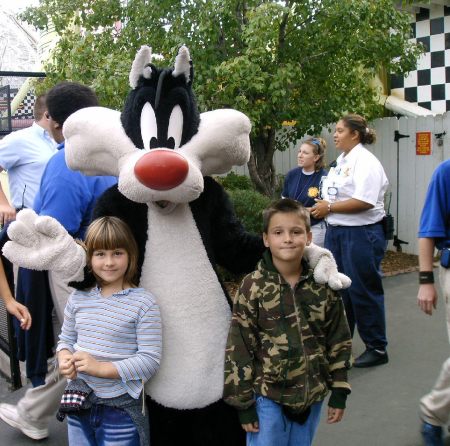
(319, 146)
(112, 233)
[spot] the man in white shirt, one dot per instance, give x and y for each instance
(24, 154)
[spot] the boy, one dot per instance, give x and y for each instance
(289, 341)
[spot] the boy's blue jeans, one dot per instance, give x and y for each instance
(102, 425)
(276, 429)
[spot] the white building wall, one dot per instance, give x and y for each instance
(429, 85)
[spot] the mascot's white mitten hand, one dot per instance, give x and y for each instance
(42, 243)
(325, 268)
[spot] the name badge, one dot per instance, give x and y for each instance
(332, 193)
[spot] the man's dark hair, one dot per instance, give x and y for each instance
(66, 98)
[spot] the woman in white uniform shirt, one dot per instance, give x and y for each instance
(354, 209)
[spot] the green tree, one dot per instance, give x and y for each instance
(304, 61)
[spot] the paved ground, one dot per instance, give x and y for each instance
(383, 408)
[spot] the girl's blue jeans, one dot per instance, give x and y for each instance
(276, 429)
(102, 426)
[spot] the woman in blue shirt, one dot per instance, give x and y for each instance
(303, 182)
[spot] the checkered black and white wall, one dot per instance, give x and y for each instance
(429, 85)
(26, 108)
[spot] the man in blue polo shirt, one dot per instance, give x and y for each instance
(434, 232)
(68, 196)
(24, 154)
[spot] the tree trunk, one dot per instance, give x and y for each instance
(261, 167)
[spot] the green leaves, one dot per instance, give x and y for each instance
(306, 61)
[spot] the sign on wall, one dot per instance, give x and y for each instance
(423, 143)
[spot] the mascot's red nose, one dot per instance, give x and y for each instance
(161, 169)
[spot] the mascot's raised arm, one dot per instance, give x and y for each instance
(163, 151)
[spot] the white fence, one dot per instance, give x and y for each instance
(408, 173)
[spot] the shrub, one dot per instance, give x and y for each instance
(249, 205)
(234, 181)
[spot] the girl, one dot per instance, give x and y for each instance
(303, 182)
(110, 343)
(354, 208)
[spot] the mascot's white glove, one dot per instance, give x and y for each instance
(42, 243)
(325, 268)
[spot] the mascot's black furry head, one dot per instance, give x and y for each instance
(163, 103)
(160, 148)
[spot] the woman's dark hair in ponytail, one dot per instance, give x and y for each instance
(358, 124)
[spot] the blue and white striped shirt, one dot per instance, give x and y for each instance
(124, 329)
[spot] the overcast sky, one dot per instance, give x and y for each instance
(17, 5)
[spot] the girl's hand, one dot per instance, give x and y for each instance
(20, 312)
(334, 415)
(86, 363)
(66, 365)
(251, 427)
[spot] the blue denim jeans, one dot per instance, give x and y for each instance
(358, 251)
(276, 429)
(102, 426)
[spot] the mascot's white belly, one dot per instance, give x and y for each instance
(194, 310)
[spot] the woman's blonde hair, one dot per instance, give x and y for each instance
(318, 145)
(112, 233)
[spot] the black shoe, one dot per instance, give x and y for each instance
(371, 358)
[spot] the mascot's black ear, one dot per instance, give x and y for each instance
(183, 65)
(141, 66)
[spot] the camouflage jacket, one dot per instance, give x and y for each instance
(290, 345)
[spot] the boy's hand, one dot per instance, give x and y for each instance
(251, 427)
(334, 415)
(66, 365)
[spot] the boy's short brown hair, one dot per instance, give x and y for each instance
(112, 233)
(285, 205)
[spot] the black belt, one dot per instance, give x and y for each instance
(359, 226)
